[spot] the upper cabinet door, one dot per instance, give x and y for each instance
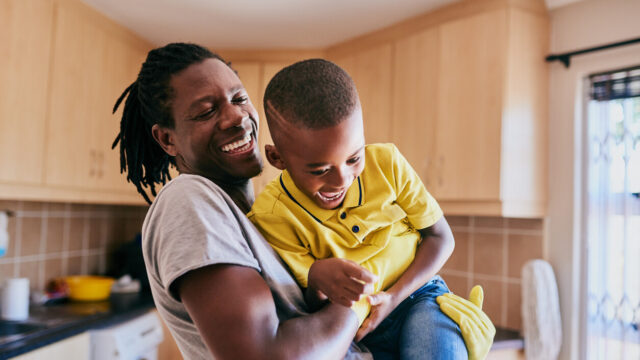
(471, 75)
(92, 63)
(25, 35)
(415, 102)
(371, 70)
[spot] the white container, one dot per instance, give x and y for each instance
(15, 299)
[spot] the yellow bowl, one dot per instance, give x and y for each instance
(89, 288)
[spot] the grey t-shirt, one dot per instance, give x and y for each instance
(191, 224)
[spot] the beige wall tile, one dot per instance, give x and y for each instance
(76, 233)
(457, 284)
(459, 260)
(12, 205)
(32, 206)
(525, 224)
(58, 207)
(74, 265)
(55, 235)
(52, 269)
(93, 264)
(514, 306)
(6, 272)
(458, 221)
(487, 222)
(522, 248)
(97, 234)
(30, 239)
(31, 270)
(488, 254)
(492, 299)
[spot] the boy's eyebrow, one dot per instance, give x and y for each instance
(315, 165)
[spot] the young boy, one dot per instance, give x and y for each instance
(347, 230)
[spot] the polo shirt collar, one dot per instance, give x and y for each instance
(353, 198)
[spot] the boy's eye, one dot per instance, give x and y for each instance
(318, 172)
(354, 160)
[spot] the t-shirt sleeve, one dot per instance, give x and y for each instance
(192, 226)
(421, 208)
(282, 236)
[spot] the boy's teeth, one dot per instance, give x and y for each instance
(237, 144)
(330, 196)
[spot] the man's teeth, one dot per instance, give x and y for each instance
(237, 144)
(330, 196)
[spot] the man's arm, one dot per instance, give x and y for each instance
(234, 312)
(435, 248)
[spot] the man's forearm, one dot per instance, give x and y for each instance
(328, 332)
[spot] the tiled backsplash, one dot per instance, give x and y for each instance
(491, 251)
(49, 240)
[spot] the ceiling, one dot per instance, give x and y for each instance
(264, 23)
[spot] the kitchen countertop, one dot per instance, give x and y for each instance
(71, 318)
(507, 339)
(67, 319)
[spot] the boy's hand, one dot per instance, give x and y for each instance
(382, 304)
(476, 327)
(342, 281)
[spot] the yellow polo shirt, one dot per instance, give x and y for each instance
(376, 226)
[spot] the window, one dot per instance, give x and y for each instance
(612, 214)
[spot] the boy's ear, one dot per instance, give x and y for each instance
(274, 158)
(164, 138)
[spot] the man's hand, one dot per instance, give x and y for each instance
(477, 330)
(342, 281)
(382, 304)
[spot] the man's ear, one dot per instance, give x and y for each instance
(164, 137)
(274, 158)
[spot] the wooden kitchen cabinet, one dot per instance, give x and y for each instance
(468, 102)
(62, 68)
(24, 77)
(73, 348)
(371, 72)
(92, 63)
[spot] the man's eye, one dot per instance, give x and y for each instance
(241, 100)
(206, 114)
(318, 172)
(354, 160)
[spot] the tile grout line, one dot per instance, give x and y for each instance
(472, 241)
(84, 266)
(505, 272)
(18, 241)
(44, 227)
(66, 230)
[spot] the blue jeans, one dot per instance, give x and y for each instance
(417, 329)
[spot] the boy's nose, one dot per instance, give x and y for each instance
(340, 178)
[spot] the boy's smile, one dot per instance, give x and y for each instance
(323, 163)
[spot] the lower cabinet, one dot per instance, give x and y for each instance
(73, 348)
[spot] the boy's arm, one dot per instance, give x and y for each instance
(235, 314)
(433, 251)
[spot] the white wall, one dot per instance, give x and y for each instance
(580, 25)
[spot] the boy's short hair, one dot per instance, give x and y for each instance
(312, 94)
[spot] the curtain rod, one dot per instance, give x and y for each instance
(566, 57)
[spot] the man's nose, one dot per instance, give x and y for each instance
(232, 116)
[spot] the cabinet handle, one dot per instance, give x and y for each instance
(92, 161)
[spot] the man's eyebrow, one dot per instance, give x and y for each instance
(316, 165)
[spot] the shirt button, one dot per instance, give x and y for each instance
(343, 216)
(355, 228)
